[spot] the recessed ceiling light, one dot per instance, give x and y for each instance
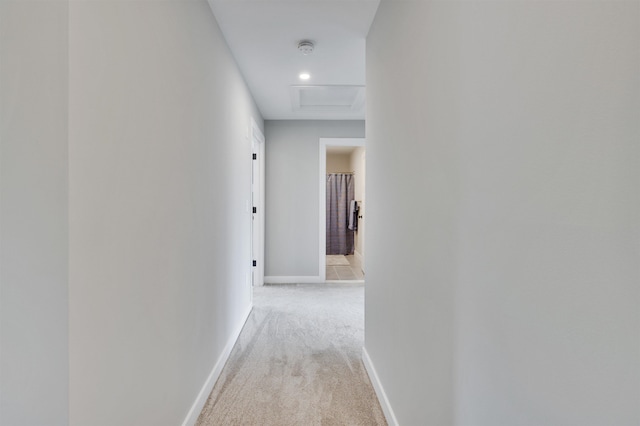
(304, 76)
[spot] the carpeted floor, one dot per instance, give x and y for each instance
(298, 362)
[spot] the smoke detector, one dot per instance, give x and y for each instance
(305, 47)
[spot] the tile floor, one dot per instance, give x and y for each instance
(341, 273)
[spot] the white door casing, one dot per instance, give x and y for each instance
(322, 190)
(257, 200)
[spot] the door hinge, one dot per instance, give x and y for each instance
(255, 210)
(255, 156)
(255, 263)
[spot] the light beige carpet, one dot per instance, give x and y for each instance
(298, 362)
(337, 260)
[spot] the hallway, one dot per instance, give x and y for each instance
(298, 362)
(502, 192)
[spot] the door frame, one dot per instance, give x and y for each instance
(322, 191)
(257, 201)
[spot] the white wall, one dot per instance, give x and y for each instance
(159, 176)
(338, 163)
(33, 213)
(515, 151)
(357, 165)
(411, 211)
(292, 192)
(125, 238)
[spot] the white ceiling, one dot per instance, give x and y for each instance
(263, 36)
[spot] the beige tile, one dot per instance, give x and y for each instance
(353, 261)
(331, 273)
(345, 273)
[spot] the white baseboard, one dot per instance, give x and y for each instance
(293, 280)
(344, 282)
(201, 399)
(377, 386)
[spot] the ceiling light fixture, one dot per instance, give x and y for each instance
(306, 47)
(304, 76)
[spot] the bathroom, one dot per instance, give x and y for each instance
(345, 213)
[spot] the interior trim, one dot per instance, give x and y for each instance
(377, 386)
(201, 399)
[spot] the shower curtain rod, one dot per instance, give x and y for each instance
(341, 173)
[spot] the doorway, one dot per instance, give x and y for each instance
(342, 202)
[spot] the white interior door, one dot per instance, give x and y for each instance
(257, 200)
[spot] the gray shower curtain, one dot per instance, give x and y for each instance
(340, 192)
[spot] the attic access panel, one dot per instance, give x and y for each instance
(333, 99)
